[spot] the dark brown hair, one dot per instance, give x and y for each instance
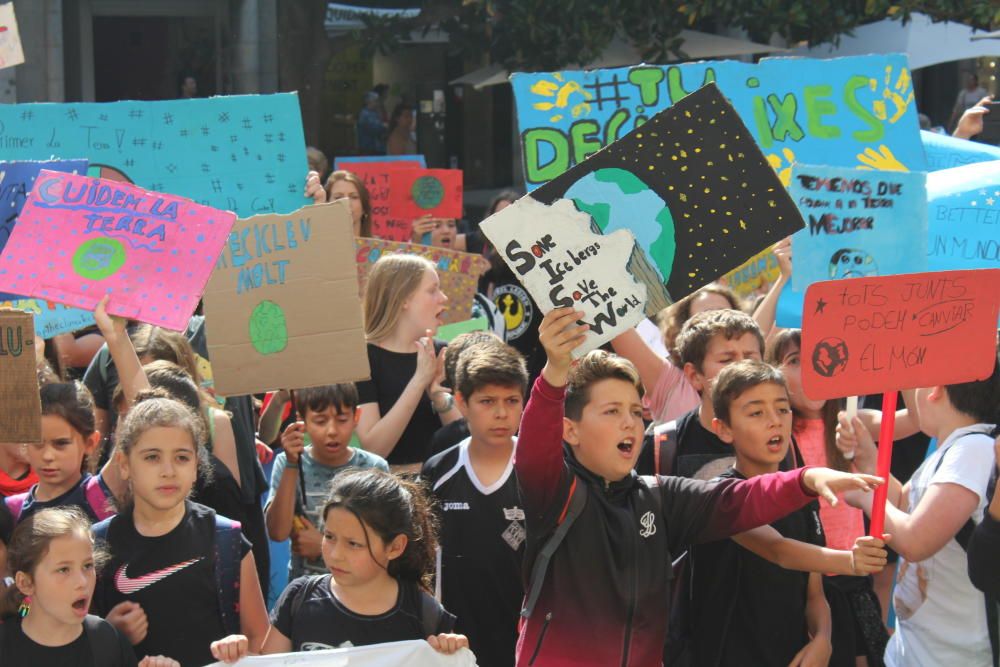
(391, 506)
(596, 366)
(979, 399)
(698, 332)
(679, 313)
(490, 364)
(341, 397)
(73, 402)
(457, 346)
(735, 379)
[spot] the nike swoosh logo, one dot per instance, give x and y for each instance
(127, 585)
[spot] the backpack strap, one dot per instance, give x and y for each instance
(665, 448)
(571, 511)
(98, 497)
(15, 504)
(103, 640)
(227, 571)
(433, 617)
(303, 593)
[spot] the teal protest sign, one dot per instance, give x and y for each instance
(944, 152)
(963, 212)
(52, 319)
(852, 112)
(244, 153)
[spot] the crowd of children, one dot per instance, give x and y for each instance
(678, 501)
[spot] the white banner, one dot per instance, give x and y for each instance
(416, 653)
(10, 39)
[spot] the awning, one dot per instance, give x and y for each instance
(343, 18)
(619, 53)
(924, 41)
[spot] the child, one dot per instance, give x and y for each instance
(744, 610)
(984, 545)
(329, 415)
(180, 576)
(605, 601)
(940, 616)
(46, 623)
(482, 534)
(379, 540)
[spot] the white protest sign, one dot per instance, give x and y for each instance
(563, 263)
(416, 653)
(10, 39)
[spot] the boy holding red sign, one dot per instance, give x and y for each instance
(941, 617)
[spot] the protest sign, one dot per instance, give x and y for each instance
(753, 275)
(11, 52)
(963, 211)
(414, 653)
(52, 319)
(459, 271)
(858, 223)
(433, 192)
(869, 335)
(448, 332)
(79, 238)
(849, 112)
(945, 152)
(386, 224)
(282, 307)
(349, 163)
(20, 408)
(692, 186)
(562, 263)
(244, 153)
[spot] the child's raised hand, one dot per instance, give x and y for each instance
(307, 542)
(783, 253)
(560, 334)
(448, 643)
(314, 189)
(230, 649)
(111, 326)
(427, 361)
(855, 442)
(422, 225)
(828, 483)
(158, 661)
(293, 441)
(868, 556)
(130, 619)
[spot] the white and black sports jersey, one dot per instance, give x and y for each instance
(482, 545)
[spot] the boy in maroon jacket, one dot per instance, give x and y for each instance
(604, 600)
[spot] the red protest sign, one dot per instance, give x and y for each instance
(434, 192)
(873, 335)
(387, 224)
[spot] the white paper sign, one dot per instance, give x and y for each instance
(416, 653)
(562, 263)
(10, 39)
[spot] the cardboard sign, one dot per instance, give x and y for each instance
(282, 307)
(562, 263)
(693, 187)
(11, 52)
(52, 319)
(849, 112)
(459, 271)
(433, 192)
(858, 223)
(79, 238)
(244, 153)
(873, 335)
(20, 408)
(349, 163)
(946, 152)
(963, 211)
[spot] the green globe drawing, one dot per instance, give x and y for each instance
(268, 328)
(427, 192)
(618, 199)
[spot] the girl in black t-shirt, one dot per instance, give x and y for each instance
(44, 609)
(181, 576)
(379, 543)
(404, 403)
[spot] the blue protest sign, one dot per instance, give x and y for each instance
(852, 112)
(243, 153)
(963, 211)
(52, 319)
(345, 162)
(944, 152)
(858, 223)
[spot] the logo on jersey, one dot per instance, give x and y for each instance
(454, 506)
(127, 585)
(513, 514)
(514, 535)
(648, 523)
(515, 305)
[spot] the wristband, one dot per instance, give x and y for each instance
(291, 466)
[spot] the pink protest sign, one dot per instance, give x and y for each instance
(79, 238)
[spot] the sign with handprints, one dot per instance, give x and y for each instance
(244, 153)
(858, 223)
(872, 335)
(79, 238)
(282, 307)
(850, 112)
(11, 52)
(563, 263)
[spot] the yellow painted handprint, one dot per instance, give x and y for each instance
(784, 173)
(561, 91)
(899, 95)
(882, 160)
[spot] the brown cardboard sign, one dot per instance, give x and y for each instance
(20, 407)
(282, 308)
